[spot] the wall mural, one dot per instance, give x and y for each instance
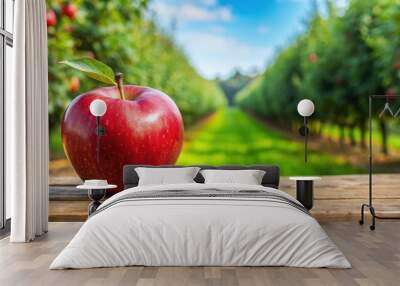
(168, 111)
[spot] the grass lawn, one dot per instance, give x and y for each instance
(233, 137)
(333, 131)
(56, 147)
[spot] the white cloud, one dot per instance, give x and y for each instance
(209, 49)
(296, 1)
(191, 12)
(210, 2)
(341, 4)
(262, 29)
(215, 54)
(217, 29)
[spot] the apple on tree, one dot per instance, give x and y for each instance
(312, 58)
(51, 18)
(74, 84)
(142, 126)
(69, 10)
(396, 65)
(390, 92)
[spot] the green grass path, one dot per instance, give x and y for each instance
(233, 137)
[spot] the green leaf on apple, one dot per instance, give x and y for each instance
(93, 68)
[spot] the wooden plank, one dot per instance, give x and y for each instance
(336, 198)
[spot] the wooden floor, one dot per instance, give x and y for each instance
(375, 257)
(336, 198)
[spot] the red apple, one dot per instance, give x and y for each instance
(69, 10)
(74, 84)
(51, 18)
(396, 65)
(339, 82)
(390, 93)
(69, 29)
(144, 128)
(90, 54)
(312, 58)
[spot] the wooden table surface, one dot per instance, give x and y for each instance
(336, 198)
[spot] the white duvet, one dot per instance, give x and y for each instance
(202, 231)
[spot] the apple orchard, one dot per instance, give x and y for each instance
(339, 58)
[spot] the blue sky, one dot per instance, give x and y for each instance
(220, 35)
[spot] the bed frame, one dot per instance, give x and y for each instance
(270, 179)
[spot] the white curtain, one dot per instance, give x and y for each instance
(27, 124)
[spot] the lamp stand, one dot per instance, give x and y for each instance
(304, 132)
(99, 128)
(305, 139)
(99, 132)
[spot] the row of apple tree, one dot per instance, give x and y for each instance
(342, 57)
(124, 35)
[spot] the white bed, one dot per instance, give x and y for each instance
(246, 225)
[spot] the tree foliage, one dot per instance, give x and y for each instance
(338, 61)
(233, 84)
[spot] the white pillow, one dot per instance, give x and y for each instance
(248, 177)
(165, 176)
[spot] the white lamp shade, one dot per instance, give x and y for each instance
(305, 107)
(98, 107)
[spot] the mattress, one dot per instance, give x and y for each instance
(201, 225)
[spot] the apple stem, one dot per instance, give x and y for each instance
(119, 77)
